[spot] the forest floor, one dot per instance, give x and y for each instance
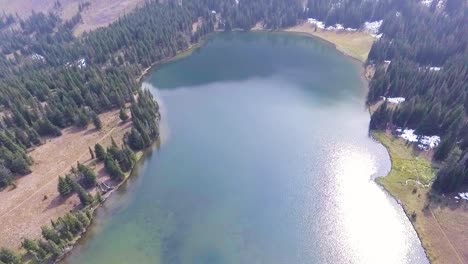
(35, 201)
(99, 14)
(441, 222)
(354, 44)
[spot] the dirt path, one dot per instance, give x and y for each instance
(446, 237)
(54, 180)
(35, 201)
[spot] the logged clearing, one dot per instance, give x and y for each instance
(35, 200)
(99, 14)
(354, 44)
(440, 221)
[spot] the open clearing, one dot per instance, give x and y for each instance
(35, 201)
(99, 14)
(354, 44)
(440, 221)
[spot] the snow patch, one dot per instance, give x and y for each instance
(213, 12)
(435, 68)
(425, 142)
(335, 27)
(387, 62)
(429, 142)
(395, 100)
(81, 63)
(314, 21)
(464, 196)
(440, 4)
(373, 28)
(37, 57)
(426, 2)
(398, 14)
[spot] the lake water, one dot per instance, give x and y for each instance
(265, 159)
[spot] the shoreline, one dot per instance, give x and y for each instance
(365, 78)
(142, 154)
(378, 181)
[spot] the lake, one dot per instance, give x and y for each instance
(265, 158)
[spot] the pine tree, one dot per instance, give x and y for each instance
(6, 177)
(123, 115)
(64, 187)
(83, 195)
(20, 165)
(89, 177)
(100, 152)
(113, 168)
(8, 257)
(97, 122)
(50, 234)
(135, 141)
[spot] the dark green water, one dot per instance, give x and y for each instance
(265, 159)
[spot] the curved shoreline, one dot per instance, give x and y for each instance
(187, 52)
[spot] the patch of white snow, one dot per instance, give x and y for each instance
(426, 2)
(373, 28)
(395, 100)
(464, 196)
(81, 63)
(37, 57)
(425, 142)
(314, 21)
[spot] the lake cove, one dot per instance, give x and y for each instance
(265, 158)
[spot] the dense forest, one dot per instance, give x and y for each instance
(50, 79)
(427, 51)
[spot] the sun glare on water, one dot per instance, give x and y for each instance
(370, 224)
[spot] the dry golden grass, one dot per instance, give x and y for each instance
(35, 201)
(441, 222)
(354, 44)
(100, 14)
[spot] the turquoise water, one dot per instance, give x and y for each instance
(265, 158)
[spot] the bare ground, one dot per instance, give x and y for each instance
(35, 200)
(441, 222)
(99, 14)
(355, 44)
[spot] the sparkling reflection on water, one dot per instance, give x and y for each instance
(266, 159)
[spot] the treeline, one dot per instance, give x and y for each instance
(56, 239)
(428, 66)
(352, 13)
(50, 80)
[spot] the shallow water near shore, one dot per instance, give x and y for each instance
(265, 159)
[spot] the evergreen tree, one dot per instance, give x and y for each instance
(65, 186)
(6, 177)
(8, 257)
(123, 115)
(85, 197)
(50, 234)
(135, 141)
(19, 165)
(97, 122)
(89, 177)
(113, 168)
(100, 152)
